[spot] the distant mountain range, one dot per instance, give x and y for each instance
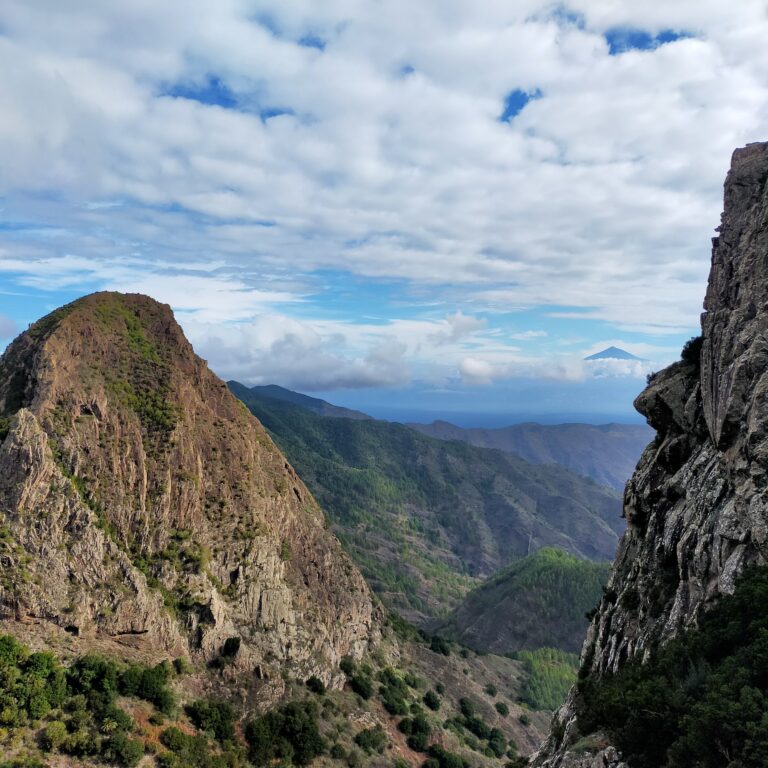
(607, 453)
(614, 353)
(314, 404)
(425, 519)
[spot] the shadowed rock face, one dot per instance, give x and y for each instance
(139, 500)
(697, 505)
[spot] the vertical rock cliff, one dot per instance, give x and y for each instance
(141, 503)
(697, 504)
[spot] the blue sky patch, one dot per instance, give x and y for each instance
(213, 92)
(623, 39)
(267, 113)
(312, 41)
(515, 102)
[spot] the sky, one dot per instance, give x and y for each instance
(439, 206)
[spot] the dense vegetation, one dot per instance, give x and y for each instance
(539, 601)
(703, 696)
(98, 710)
(76, 706)
(424, 518)
(550, 673)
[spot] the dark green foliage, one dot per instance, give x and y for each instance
(703, 696)
(186, 751)
(371, 740)
(215, 717)
(337, 752)
(692, 351)
(362, 685)
(432, 700)
(289, 733)
(80, 700)
(441, 758)
(549, 675)
(491, 689)
(122, 750)
(359, 678)
(501, 708)
(393, 692)
(418, 730)
(440, 688)
(497, 743)
(440, 645)
(316, 685)
(182, 666)
(150, 684)
(467, 707)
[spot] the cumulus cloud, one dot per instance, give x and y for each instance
(275, 348)
(204, 145)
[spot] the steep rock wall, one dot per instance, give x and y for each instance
(697, 504)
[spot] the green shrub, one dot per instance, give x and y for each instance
(53, 735)
(337, 752)
(362, 685)
(288, 733)
(215, 717)
(692, 350)
(371, 740)
(182, 666)
(491, 689)
(418, 730)
(441, 758)
(432, 700)
(122, 750)
(501, 708)
(497, 742)
(440, 645)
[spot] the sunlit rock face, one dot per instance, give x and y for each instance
(140, 501)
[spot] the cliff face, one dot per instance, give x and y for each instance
(697, 505)
(140, 501)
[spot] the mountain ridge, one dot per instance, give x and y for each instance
(118, 436)
(607, 453)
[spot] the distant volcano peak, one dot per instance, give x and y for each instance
(613, 353)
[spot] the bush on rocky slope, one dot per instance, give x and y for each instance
(703, 696)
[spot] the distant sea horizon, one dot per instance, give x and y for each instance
(479, 420)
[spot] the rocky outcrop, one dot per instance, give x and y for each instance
(139, 500)
(697, 505)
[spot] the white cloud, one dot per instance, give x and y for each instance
(597, 200)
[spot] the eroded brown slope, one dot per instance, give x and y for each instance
(139, 500)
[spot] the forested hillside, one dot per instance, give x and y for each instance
(426, 519)
(607, 453)
(539, 601)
